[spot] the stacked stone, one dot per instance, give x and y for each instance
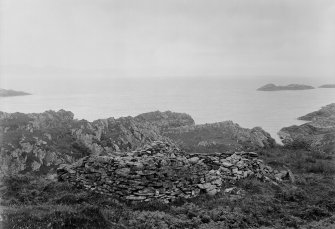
(160, 171)
(241, 165)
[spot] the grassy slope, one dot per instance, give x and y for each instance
(30, 202)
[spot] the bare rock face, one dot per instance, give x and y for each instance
(166, 120)
(40, 142)
(162, 171)
(37, 142)
(109, 135)
(219, 137)
(207, 138)
(318, 133)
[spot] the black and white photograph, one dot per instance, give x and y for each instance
(167, 114)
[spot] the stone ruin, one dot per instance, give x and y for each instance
(162, 171)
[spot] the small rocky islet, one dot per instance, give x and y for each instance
(10, 93)
(290, 87)
(327, 86)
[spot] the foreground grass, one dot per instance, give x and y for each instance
(30, 202)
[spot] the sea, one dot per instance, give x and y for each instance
(207, 100)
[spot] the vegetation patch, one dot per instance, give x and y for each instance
(33, 202)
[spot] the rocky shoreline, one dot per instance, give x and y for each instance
(318, 133)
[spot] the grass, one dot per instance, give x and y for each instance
(31, 202)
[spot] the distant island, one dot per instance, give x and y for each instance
(327, 86)
(273, 87)
(8, 93)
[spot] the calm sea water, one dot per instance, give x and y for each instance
(206, 100)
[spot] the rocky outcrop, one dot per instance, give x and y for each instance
(162, 171)
(219, 137)
(325, 113)
(8, 93)
(318, 133)
(273, 87)
(166, 120)
(39, 142)
(36, 142)
(327, 86)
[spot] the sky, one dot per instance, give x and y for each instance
(182, 38)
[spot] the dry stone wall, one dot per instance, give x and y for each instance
(162, 171)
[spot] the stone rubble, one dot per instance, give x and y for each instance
(162, 171)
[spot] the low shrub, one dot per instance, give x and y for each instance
(298, 144)
(321, 166)
(151, 206)
(317, 154)
(55, 216)
(292, 194)
(160, 220)
(252, 185)
(310, 159)
(69, 199)
(313, 213)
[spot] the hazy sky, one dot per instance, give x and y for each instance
(170, 37)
